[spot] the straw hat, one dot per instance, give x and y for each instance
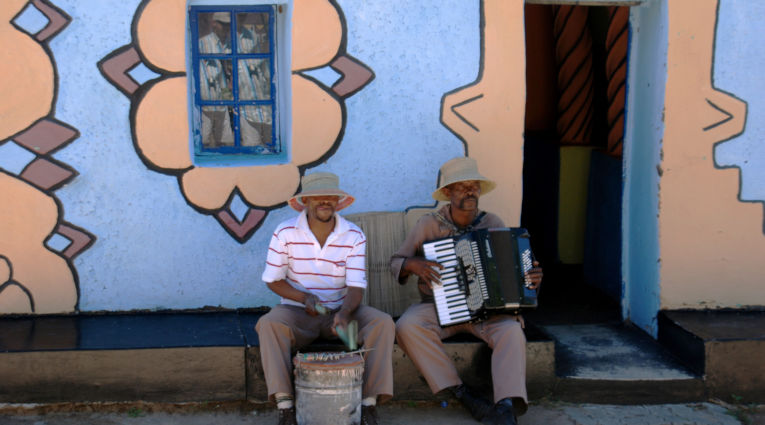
(320, 184)
(224, 17)
(461, 169)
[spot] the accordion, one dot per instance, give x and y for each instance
(483, 273)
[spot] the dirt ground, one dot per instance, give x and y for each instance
(543, 412)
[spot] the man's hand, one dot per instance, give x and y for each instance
(535, 275)
(424, 269)
(341, 319)
(310, 302)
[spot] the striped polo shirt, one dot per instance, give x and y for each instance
(294, 255)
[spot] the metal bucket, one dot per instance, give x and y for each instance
(328, 388)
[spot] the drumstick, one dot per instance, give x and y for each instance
(349, 335)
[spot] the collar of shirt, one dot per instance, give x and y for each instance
(341, 226)
(444, 214)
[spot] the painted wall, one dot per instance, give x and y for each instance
(102, 209)
(711, 230)
(642, 156)
(160, 233)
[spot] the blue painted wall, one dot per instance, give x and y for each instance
(738, 62)
(640, 244)
(154, 251)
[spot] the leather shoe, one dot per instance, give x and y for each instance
(478, 406)
(368, 415)
(287, 416)
(501, 414)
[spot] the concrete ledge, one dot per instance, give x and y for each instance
(612, 391)
(473, 362)
(472, 359)
(726, 346)
(162, 374)
(471, 356)
(177, 357)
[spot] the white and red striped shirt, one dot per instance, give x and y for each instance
(295, 255)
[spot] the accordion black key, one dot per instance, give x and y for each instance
(483, 273)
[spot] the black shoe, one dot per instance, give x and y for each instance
(368, 415)
(478, 406)
(501, 414)
(287, 416)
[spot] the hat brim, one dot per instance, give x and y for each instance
(345, 199)
(486, 187)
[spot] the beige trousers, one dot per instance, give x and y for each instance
(286, 329)
(419, 335)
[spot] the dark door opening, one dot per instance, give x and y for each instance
(576, 69)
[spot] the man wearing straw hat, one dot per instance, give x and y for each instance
(418, 332)
(315, 263)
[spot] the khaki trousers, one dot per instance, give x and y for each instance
(419, 335)
(286, 329)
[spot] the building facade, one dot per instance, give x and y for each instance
(624, 134)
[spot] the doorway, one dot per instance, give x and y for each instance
(576, 73)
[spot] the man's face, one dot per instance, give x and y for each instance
(320, 208)
(464, 195)
(222, 30)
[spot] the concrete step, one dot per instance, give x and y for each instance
(726, 347)
(618, 364)
(155, 357)
(211, 356)
(183, 357)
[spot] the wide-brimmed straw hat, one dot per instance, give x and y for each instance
(224, 17)
(461, 169)
(321, 184)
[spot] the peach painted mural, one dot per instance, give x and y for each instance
(159, 114)
(37, 246)
(711, 244)
(488, 114)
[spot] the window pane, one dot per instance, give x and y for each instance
(215, 32)
(256, 126)
(252, 32)
(254, 79)
(217, 126)
(215, 79)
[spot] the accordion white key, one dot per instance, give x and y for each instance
(484, 273)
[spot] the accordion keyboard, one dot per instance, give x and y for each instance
(456, 297)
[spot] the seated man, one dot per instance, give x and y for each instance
(418, 332)
(315, 263)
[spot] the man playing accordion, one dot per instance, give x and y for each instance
(418, 331)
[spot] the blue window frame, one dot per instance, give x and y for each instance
(234, 85)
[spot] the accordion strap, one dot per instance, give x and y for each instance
(453, 227)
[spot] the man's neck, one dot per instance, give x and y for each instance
(320, 229)
(462, 218)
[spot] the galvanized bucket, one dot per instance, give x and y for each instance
(328, 388)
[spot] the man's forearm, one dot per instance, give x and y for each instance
(398, 268)
(352, 299)
(285, 290)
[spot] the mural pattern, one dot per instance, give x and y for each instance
(706, 237)
(573, 52)
(488, 114)
(159, 117)
(617, 39)
(38, 246)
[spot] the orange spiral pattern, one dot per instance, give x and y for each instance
(616, 75)
(573, 53)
